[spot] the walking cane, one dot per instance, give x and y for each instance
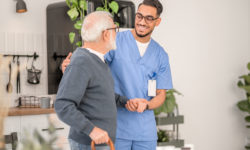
(110, 143)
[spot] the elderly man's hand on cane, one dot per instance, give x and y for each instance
(99, 136)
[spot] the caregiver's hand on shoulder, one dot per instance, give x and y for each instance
(99, 136)
(66, 62)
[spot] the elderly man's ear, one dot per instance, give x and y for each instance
(105, 35)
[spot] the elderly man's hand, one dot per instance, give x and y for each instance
(99, 136)
(137, 104)
(66, 62)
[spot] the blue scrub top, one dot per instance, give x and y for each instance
(131, 73)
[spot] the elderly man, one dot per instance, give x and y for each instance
(85, 99)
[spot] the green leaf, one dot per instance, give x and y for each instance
(114, 6)
(244, 106)
(106, 9)
(38, 136)
(240, 84)
(83, 4)
(246, 78)
(162, 136)
(78, 25)
(99, 9)
(86, 7)
(52, 140)
(72, 37)
(68, 3)
(158, 110)
(248, 66)
(105, 5)
(73, 13)
(79, 43)
(75, 3)
(37, 141)
(170, 105)
(246, 88)
(164, 139)
(247, 118)
(170, 102)
(117, 24)
(177, 92)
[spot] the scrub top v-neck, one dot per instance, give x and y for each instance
(142, 47)
(131, 73)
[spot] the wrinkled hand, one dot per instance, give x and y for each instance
(137, 104)
(66, 62)
(99, 136)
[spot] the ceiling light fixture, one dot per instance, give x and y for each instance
(21, 6)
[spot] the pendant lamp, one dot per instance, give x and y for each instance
(21, 6)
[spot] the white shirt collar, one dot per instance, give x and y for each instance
(142, 47)
(100, 55)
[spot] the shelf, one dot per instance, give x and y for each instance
(176, 143)
(169, 120)
(14, 111)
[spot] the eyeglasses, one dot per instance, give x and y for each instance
(148, 19)
(115, 28)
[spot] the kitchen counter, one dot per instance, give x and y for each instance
(14, 111)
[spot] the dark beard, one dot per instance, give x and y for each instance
(140, 35)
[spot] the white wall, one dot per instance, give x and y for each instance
(208, 45)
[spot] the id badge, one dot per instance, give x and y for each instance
(151, 87)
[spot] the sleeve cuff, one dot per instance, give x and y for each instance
(88, 128)
(121, 100)
(124, 100)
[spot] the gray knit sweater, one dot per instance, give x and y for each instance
(86, 97)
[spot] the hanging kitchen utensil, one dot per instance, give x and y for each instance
(18, 83)
(9, 85)
(33, 74)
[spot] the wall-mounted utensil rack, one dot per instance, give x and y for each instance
(18, 83)
(35, 56)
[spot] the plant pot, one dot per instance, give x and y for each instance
(165, 148)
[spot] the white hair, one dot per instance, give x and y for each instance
(94, 24)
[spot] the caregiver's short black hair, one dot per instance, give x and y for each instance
(154, 3)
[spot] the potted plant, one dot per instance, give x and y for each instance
(162, 136)
(170, 103)
(244, 105)
(77, 11)
(165, 116)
